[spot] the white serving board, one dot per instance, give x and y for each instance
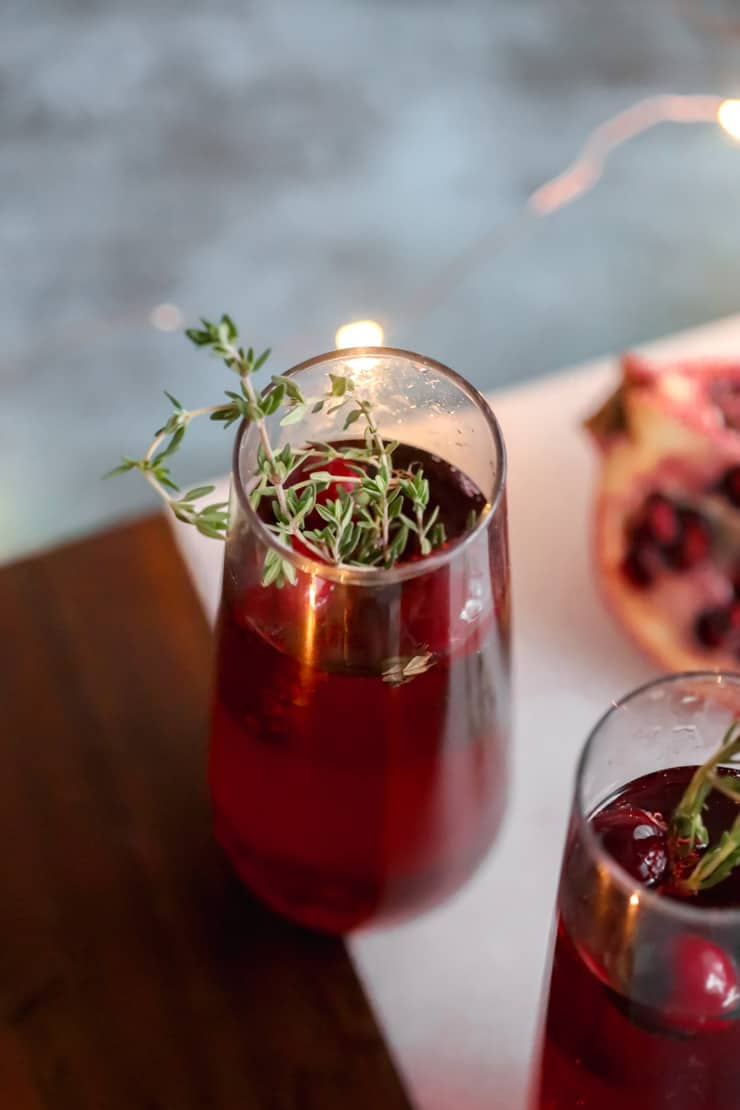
(457, 991)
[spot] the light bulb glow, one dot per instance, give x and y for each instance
(359, 333)
(166, 317)
(728, 117)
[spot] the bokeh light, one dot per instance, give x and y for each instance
(359, 333)
(728, 116)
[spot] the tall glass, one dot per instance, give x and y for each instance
(643, 1013)
(358, 758)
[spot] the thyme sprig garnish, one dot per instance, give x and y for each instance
(688, 834)
(376, 508)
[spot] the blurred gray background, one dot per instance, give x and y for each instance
(301, 164)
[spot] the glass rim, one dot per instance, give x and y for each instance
(682, 911)
(373, 576)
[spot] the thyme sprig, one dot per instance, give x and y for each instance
(688, 834)
(363, 513)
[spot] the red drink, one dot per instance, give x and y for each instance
(357, 761)
(644, 1009)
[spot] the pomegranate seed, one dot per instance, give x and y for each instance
(636, 567)
(661, 519)
(636, 839)
(724, 393)
(712, 625)
(730, 485)
(693, 543)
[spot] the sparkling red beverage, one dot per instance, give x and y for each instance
(644, 1005)
(358, 752)
(605, 1051)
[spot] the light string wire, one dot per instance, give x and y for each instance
(578, 179)
(574, 182)
(709, 21)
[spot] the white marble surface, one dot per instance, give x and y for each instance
(457, 990)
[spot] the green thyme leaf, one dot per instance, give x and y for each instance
(293, 416)
(438, 535)
(306, 503)
(273, 400)
(719, 863)
(163, 476)
(198, 337)
(260, 362)
(398, 545)
(272, 568)
(171, 447)
(338, 385)
(122, 468)
(196, 492)
(400, 670)
(291, 387)
(289, 572)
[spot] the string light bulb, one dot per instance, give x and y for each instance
(728, 117)
(167, 317)
(359, 333)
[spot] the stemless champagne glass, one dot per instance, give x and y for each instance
(644, 1008)
(358, 758)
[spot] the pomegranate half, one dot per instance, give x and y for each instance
(668, 509)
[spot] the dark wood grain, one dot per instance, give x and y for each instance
(135, 972)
